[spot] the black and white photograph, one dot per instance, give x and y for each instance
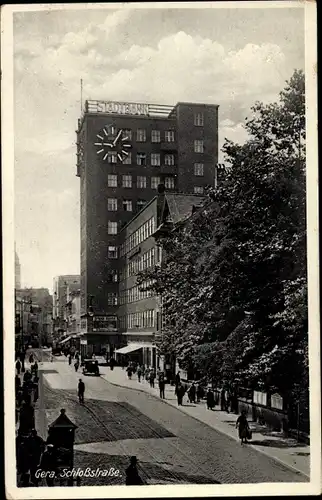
(161, 265)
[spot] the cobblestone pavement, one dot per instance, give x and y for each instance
(171, 447)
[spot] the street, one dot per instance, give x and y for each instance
(171, 447)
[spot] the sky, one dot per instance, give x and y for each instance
(230, 57)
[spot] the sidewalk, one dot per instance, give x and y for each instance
(285, 450)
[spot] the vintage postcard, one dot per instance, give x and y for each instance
(160, 228)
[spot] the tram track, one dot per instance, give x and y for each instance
(147, 477)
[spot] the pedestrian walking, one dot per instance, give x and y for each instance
(243, 427)
(192, 393)
(227, 398)
(70, 359)
(222, 400)
(200, 392)
(81, 390)
(177, 381)
(147, 374)
(112, 364)
(139, 371)
(132, 475)
(31, 358)
(18, 366)
(129, 372)
(76, 365)
(161, 385)
(210, 399)
(35, 368)
(26, 417)
(180, 393)
(152, 378)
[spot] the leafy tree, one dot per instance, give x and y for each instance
(243, 254)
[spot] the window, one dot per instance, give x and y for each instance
(155, 159)
(112, 180)
(112, 204)
(141, 181)
(127, 205)
(198, 190)
(140, 135)
(127, 134)
(112, 252)
(112, 299)
(169, 136)
(155, 136)
(141, 159)
(198, 121)
(198, 146)
(114, 275)
(111, 157)
(112, 227)
(169, 160)
(127, 181)
(155, 181)
(141, 204)
(169, 182)
(198, 168)
(128, 159)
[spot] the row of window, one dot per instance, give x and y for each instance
(145, 261)
(138, 236)
(141, 135)
(126, 205)
(137, 292)
(143, 319)
(142, 159)
(141, 181)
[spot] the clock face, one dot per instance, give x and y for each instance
(112, 145)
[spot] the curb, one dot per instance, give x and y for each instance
(218, 430)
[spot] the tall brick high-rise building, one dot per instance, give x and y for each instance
(124, 151)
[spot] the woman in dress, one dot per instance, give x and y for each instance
(243, 427)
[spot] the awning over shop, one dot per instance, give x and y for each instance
(65, 340)
(132, 347)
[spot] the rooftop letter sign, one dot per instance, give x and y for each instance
(120, 108)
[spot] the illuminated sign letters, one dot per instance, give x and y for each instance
(120, 108)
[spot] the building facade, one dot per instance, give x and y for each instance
(124, 152)
(62, 286)
(139, 309)
(33, 316)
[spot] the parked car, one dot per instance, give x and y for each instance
(90, 366)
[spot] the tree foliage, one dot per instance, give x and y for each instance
(233, 280)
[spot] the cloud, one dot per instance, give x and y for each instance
(177, 67)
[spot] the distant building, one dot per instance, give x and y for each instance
(124, 151)
(17, 272)
(34, 315)
(63, 285)
(72, 311)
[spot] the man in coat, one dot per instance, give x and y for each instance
(81, 390)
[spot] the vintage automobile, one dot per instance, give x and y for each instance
(90, 366)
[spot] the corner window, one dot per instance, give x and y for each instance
(169, 160)
(198, 146)
(169, 136)
(112, 180)
(198, 119)
(198, 169)
(112, 227)
(112, 204)
(127, 134)
(198, 190)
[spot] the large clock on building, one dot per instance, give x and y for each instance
(112, 145)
